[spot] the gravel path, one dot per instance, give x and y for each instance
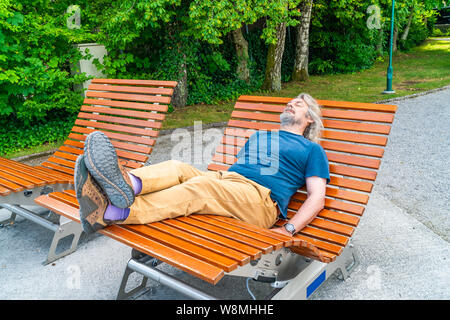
(415, 172)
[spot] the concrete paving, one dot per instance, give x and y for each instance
(402, 240)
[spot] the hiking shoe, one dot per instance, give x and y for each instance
(103, 164)
(91, 198)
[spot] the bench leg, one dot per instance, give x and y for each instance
(139, 289)
(66, 228)
(10, 221)
(349, 254)
(315, 274)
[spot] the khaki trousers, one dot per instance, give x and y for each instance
(172, 189)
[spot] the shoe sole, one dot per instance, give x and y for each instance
(103, 165)
(87, 206)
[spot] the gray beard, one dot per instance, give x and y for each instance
(287, 119)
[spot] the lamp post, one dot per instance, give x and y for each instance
(390, 71)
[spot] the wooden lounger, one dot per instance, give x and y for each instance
(210, 247)
(130, 112)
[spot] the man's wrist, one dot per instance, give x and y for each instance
(289, 227)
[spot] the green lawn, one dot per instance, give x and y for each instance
(423, 68)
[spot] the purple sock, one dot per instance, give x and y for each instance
(136, 183)
(114, 213)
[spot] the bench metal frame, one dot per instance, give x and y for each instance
(293, 277)
(61, 226)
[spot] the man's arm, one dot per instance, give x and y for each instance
(315, 186)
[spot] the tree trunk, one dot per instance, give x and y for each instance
(408, 25)
(241, 46)
(300, 72)
(272, 81)
(394, 39)
(180, 92)
(379, 46)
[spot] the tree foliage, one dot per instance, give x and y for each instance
(187, 40)
(35, 54)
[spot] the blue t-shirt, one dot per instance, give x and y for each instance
(281, 161)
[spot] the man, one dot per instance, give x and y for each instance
(253, 189)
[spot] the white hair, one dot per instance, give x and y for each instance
(313, 131)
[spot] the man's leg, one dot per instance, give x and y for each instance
(166, 174)
(225, 193)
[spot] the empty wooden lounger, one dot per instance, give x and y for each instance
(209, 246)
(130, 112)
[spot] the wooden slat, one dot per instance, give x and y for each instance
(260, 107)
(354, 137)
(252, 252)
(264, 247)
(115, 127)
(127, 104)
(353, 160)
(37, 173)
(145, 90)
(351, 183)
(147, 83)
(325, 103)
(120, 120)
(288, 241)
(66, 177)
(124, 112)
(334, 204)
(356, 126)
(332, 226)
(241, 258)
(181, 245)
(53, 159)
(183, 261)
(4, 191)
(36, 181)
(63, 197)
(11, 185)
(58, 168)
(58, 207)
(277, 244)
(352, 148)
(111, 135)
(339, 114)
(353, 172)
(320, 244)
(358, 115)
(128, 97)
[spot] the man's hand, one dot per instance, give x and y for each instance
(314, 202)
(282, 230)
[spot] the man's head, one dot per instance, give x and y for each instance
(302, 114)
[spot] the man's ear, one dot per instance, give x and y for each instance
(309, 119)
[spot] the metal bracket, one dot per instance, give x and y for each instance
(141, 288)
(146, 266)
(66, 228)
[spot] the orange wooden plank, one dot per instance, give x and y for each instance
(176, 243)
(252, 252)
(115, 127)
(205, 243)
(145, 90)
(183, 261)
(120, 120)
(127, 104)
(124, 112)
(136, 82)
(128, 97)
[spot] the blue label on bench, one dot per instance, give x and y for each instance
(315, 284)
